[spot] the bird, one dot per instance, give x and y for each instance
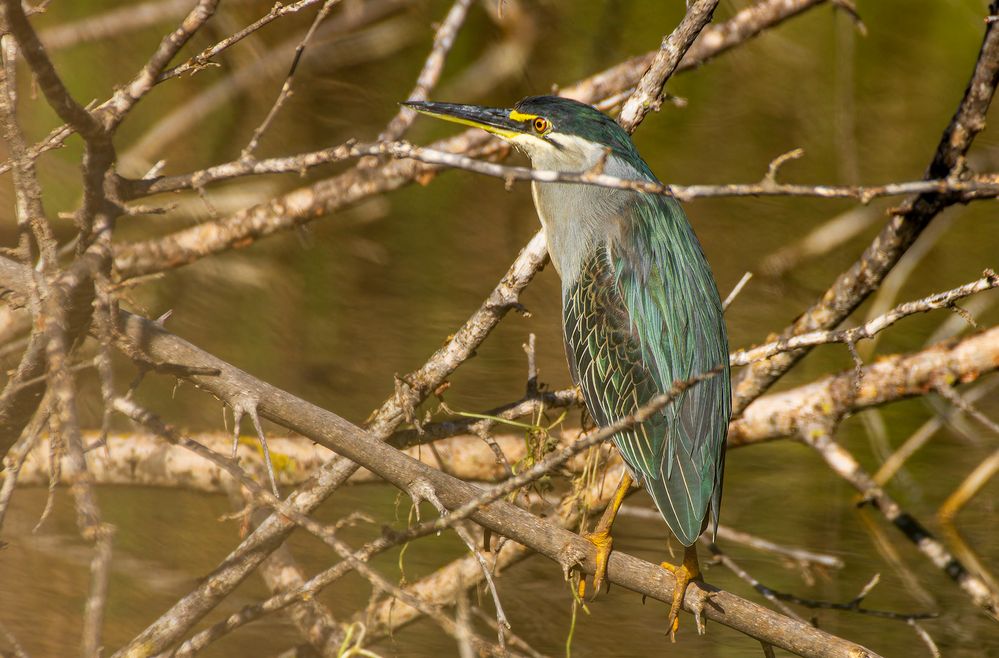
(640, 312)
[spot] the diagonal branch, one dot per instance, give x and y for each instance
(82, 121)
(501, 517)
(421, 383)
(99, 153)
(325, 533)
(125, 99)
(431, 72)
(285, 92)
(819, 436)
(867, 330)
(204, 58)
(648, 93)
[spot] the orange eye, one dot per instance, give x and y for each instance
(540, 125)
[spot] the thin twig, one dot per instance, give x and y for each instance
(845, 465)
(431, 72)
(736, 290)
(850, 336)
(286, 87)
(326, 533)
(204, 58)
(725, 533)
(125, 98)
(733, 566)
(13, 461)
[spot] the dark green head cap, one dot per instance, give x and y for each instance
(570, 117)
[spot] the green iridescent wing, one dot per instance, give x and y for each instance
(644, 313)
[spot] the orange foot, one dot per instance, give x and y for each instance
(683, 574)
(603, 541)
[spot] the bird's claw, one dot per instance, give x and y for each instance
(603, 542)
(699, 617)
(682, 576)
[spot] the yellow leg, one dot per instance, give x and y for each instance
(683, 574)
(601, 536)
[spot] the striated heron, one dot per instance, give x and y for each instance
(640, 311)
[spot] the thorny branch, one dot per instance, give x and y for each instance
(325, 533)
(867, 330)
(289, 79)
(204, 58)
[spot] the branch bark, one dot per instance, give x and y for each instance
(648, 93)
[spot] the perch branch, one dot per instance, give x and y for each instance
(501, 517)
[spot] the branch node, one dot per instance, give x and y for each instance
(570, 557)
(421, 489)
(247, 406)
(770, 179)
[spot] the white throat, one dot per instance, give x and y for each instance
(576, 218)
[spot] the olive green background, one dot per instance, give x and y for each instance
(333, 311)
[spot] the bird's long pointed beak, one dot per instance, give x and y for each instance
(492, 119)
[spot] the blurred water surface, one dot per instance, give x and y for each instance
(333, 311)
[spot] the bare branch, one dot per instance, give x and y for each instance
(125, 98)
(890, 378)
(865, 275)
(12, 15)
(725, 533)
(844, 464)
(314, 621)
(650, 88)
(326, 533)
(431, 72)
(286, 86)
(984, 186)
(421, 383)
(850, 336)
(31, 220)
(15, 458)
(204, 58)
